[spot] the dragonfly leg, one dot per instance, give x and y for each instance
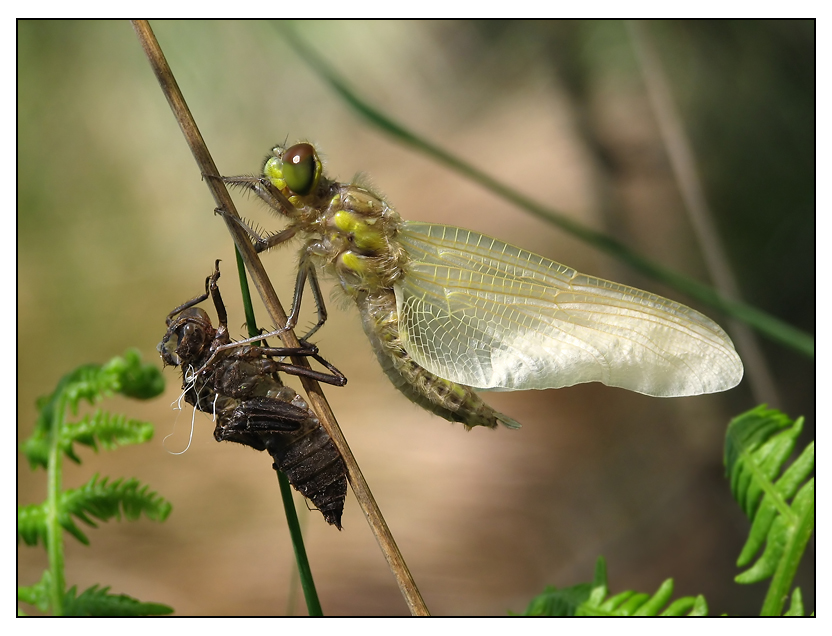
(306, 271)
(261, 242)
(334, 377)
(211, 285)
(264, 189)
(306, 349)
(291, 320)
(189, 304)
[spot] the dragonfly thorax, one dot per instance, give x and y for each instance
(358, 241)
(350, 230)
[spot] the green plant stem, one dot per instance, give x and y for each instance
(765, 323)
(245, 292)
(313, 604)
(781, 582)
(54, 531)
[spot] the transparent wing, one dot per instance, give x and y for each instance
(489, 315)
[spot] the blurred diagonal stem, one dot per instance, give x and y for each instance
(765, 323)
(264, 287)
(687, 178)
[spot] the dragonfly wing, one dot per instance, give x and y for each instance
(489, 315)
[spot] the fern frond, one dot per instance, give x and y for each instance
(559, 602)
(36, 448)
(133, 379)
(796, 607)
(590, 599)
(632, 603)
(757, 445)
(97, 498)
(53, 438)
(104, 500)
(107, 429)
(565, 602)
(99, 602)
(31, 524)
(37, 594)
(91, 382)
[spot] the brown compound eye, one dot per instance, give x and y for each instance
(301, 168)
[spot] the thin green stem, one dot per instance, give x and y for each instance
(765, 323)
(54, 531)
(245, 292)
(313, 604)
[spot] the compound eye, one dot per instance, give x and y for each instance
(301, 168)
(168, 350)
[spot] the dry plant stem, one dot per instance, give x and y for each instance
(261, 282)
(683, 164)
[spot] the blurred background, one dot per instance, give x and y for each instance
(115, 228)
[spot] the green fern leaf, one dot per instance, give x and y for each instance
(37, 594)
(104, 500)
(632, 603)
(91, 382)
(107, 429)
(126, 375)
(796, 607)
(566, 601)
(53, 438)
(590, 599)
(97, 498)
(99, 602)
(555, 602)
(133, 379)
(757, 445)
(36, 449)
(31, 524)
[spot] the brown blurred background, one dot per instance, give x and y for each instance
(115, 228)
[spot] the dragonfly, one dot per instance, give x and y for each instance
(449, 311)
(252, 406)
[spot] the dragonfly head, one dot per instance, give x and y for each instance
(295, 170)
(188, 338)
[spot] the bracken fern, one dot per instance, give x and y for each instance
(758, 443)
(757, 446)
(102, 499)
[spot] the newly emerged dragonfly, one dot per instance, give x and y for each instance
(448, 310)
(241, 387)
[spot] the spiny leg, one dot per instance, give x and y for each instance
(334, 377)
(274, 198)
(189, 304)
(306, 271)
(264, 189)
(219, 305)
(261, 243)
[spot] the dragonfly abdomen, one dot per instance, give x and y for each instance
(313, 466)
(447, 399)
